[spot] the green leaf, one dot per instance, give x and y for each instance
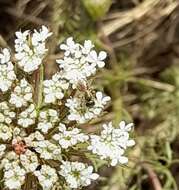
(97, 8)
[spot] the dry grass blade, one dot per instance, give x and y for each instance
(3, 42)
(149, 8)
(26, 17)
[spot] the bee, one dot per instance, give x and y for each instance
(90, 103)
(89, 93)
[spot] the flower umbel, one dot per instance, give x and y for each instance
(7, 74)
(77, 174)
(80, 61)
(112, 143)
(30, 49)
(42, 141)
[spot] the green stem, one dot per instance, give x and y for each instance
(39, 87)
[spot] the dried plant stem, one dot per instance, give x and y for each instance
(153, 177)
(151, 83)
(39, 86)
(30, 18)
(3, 42)
(55, 25)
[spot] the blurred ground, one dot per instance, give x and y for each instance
(142, 75)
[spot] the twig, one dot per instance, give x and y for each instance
(27, 17)
(152, 83)
(108, 44)
(153, 177)
(146, 10)
(35, 13)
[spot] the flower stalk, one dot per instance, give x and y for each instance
(38, 95)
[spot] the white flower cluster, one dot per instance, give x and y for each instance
(47, 177)
(7, 74)
(22, 94)
(80, 61)
(14, 174)
(6, 115)
(47, 119)
(5, 56)
(27, 117)
(16, 164)
(54, 88)
(40, 128)
(30, 49)
(77, 174)
(29, 160)
(5, 132)
(69, 138)
(112, 143)
(83, 113)
(45, 148)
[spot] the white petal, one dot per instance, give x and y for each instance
(102, 55)
(94, 176)
(123, 160)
